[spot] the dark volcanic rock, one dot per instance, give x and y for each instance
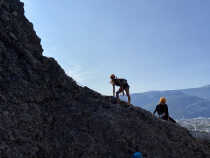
(45, 114)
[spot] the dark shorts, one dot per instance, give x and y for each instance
(126, 86)
(168, 119)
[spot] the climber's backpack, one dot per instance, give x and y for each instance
(120, 81)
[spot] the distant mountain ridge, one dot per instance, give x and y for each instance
(184, 103)
(202, 92)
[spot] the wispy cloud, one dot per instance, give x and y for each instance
(79, 74)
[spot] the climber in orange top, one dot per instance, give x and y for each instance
(123, 84)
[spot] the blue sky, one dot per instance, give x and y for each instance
(155, 45)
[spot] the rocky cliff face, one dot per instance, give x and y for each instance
(45, 114)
